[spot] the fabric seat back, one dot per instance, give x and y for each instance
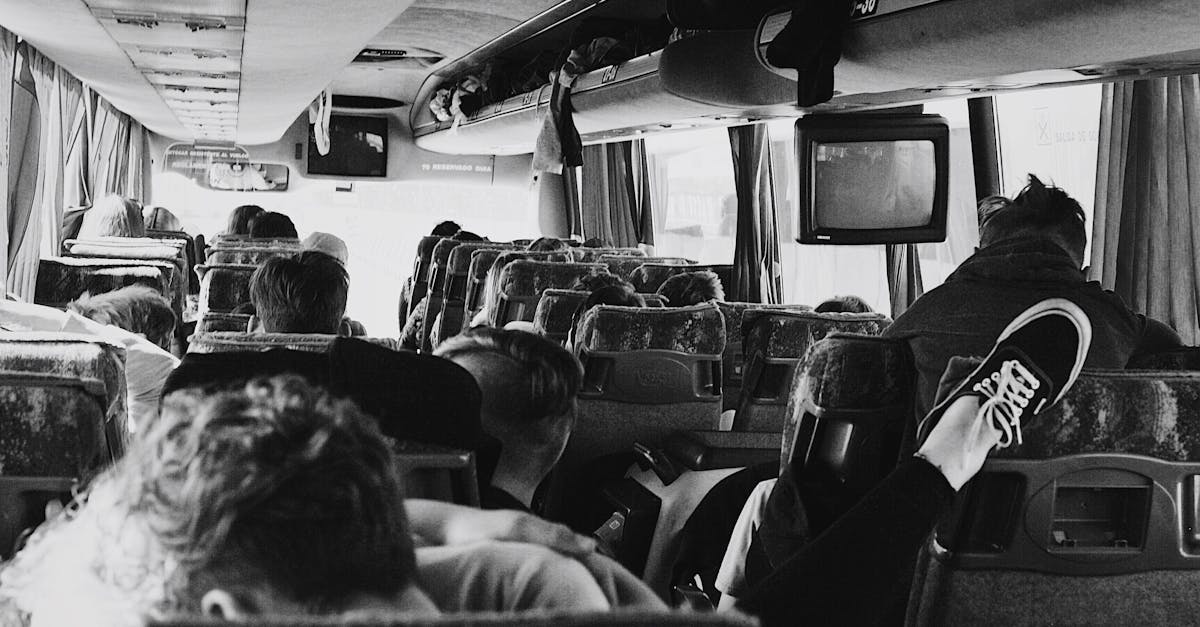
(435, 289)
(647, 278)
(224, 286)
(63, 279)
(491, 285)
(213, 321)
(141, 249)
(734, 360)
(1092, 520)
(62, 417)
(420, 273)
(242, 241)
(624, 265)
(647, 372)
(241, 341)
(522, 282)
(454, 292)
(249, 255)
(192, 251)
(593, 255)
(555, 313)
(774, 343)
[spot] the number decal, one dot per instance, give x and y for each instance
(610, 74)
(863, 8)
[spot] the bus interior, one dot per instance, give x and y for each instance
(802, 153)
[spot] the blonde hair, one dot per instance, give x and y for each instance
(113, 216)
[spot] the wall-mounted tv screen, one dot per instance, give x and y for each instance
(872, 178)
(357, 147)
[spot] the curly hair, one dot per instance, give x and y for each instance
(135, 308)
(692, 288)
(276, 481)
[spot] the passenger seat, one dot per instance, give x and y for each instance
(522, 282)
(734, 360)
(648, 277)
(224, 286)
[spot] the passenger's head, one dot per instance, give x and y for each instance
(844, 304)
(304, 293)
(467, 236)
(136, 308)
(327, 243)
(446, 229)
(616, 295)
(593, 242)
(271, 225)
(692, 288)
(547, 245)
(597, 280)
(1039, 211)
(529, 385)
(275, 498)
(240, 218)
(160, 219)
(113, 216)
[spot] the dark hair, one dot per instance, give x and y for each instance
(593, 242)
(240, 218)
(135, 308)
(692, 288)
(1038, 211)
(278, 482)
(547, 244)
(446, 229)
(272, 225)
(596, 280)
(467, 236)
(844, 304)
(304, 293)
(529, 378)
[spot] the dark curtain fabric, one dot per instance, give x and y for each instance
(616, 203)
(756, 266)
(1146, 227)
(8, 64)
(904, 277)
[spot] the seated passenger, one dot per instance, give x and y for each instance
(304, 293)
(327, 243)
(843, 304)
(447, 228)
(240, 219)
(547, 245)
(529, 385)
(113, 216)
(147, 366)
(279, 500)
(135, 308)
(606, 289)
(692, 288)
(597, 280)
(1030, 249)
(272, 225)
(160, 219)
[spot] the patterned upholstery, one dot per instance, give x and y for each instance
(213, 321)
(125, 248)
(492, 285)
(435, 284)
(522, 283)
(624, 265)
(593, 255)
(774, 342)
(556, 311)
(649, 277)
(247, 255)
(734, 365)
(627, 617)
(697, 330)
(237, 241)
(63, 279)
(62, 404)
(240, 341)
(224, 287)
(449, 321)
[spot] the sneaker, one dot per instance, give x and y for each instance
(1035, 361)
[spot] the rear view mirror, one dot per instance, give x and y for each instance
(238, 176)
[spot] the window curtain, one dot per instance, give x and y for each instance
(757, 271)
(616, 203)
(904, 277)
(8, 64)
(1146, 225)
(116, 148)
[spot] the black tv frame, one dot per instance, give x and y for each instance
(311, 150)
(865, 127)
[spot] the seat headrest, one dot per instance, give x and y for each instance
(735, 313)
(696, 330)
(648, 277)
(482, 261)
(63, 279)
(593, 255)
(246, 242)
(216, 321)
(441, 251)
(624, 265)
(241, 341)
(1182, 358)
(526, 278)
(556, 310)
(139, 248)
(247, 255)
(461, 255)
(788, 334)
(1141, 412)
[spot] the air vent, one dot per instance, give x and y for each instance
(414, 58)
(365, 102)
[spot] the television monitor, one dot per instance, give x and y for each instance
(357, 147)
(872, 178)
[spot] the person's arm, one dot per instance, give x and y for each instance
(439, 524)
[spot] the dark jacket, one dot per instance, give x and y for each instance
(964, 315)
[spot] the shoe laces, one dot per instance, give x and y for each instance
(1008, 391)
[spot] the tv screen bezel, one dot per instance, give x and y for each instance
(313, 154)
(862, 127)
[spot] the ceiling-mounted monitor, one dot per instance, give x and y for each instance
(872, 178)
(358, 146)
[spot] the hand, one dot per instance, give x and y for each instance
(445, 524)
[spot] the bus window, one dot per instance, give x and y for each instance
(939, 259)
(693, 172)
(1053, 133)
